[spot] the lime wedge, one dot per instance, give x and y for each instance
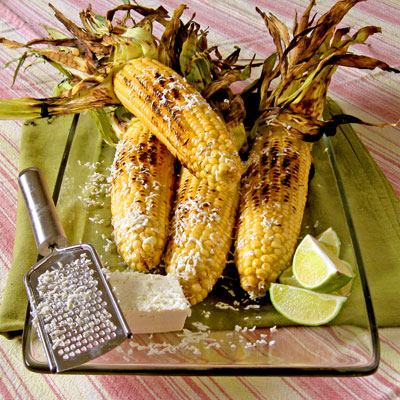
(346, 289)
(330, 239)
(287, 277)
(317, 268)
(304, 306)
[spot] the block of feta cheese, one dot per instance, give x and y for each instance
(150, 302)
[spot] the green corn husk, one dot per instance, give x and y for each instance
(83, 97)
(90, 56)
(88, 83)
(305, 62)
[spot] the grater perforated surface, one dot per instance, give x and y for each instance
(72, 307)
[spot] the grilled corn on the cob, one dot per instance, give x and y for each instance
(200, 234)
(141, 197)
(275, 185)
(272, 201)
(180, 117)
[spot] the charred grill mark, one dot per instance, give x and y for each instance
(294, 156)
(126, 81)
(142, 156)
(118, 164)
(248, 171)
(166, 105)
(274, 187)
(176, 94)
(286, 162)
(117, 172)
(287, 179)
(264, 159)
(256, 199)
(246, 174)
(153, 156)
(286, 198)
(162, 97)
(144, 176)
(142, 146)
(147, 153)
(162, 102)
(152, 139)
(158, 94)
(274, 156)
(155, 108)
(265, 191)
(160, 79)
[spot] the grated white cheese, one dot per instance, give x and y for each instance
(189, 341)
(72, 308)
(250, 306)
(224, 306)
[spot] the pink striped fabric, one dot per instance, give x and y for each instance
(373, 96)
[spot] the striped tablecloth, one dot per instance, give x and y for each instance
(369, 95)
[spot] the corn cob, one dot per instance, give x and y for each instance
(141, 197)
(275, 184)
(180, 117)
(200, 234)
(273, 196)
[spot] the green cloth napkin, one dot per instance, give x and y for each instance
(374, 206)
(42, 145)
(375, 211)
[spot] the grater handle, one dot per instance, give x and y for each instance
(46, 225)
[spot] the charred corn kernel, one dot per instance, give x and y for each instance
(141, 197)
(200, 234)
(272, 201)
(180, 117)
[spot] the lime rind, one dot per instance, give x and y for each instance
(303, 306)
(317, 268)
